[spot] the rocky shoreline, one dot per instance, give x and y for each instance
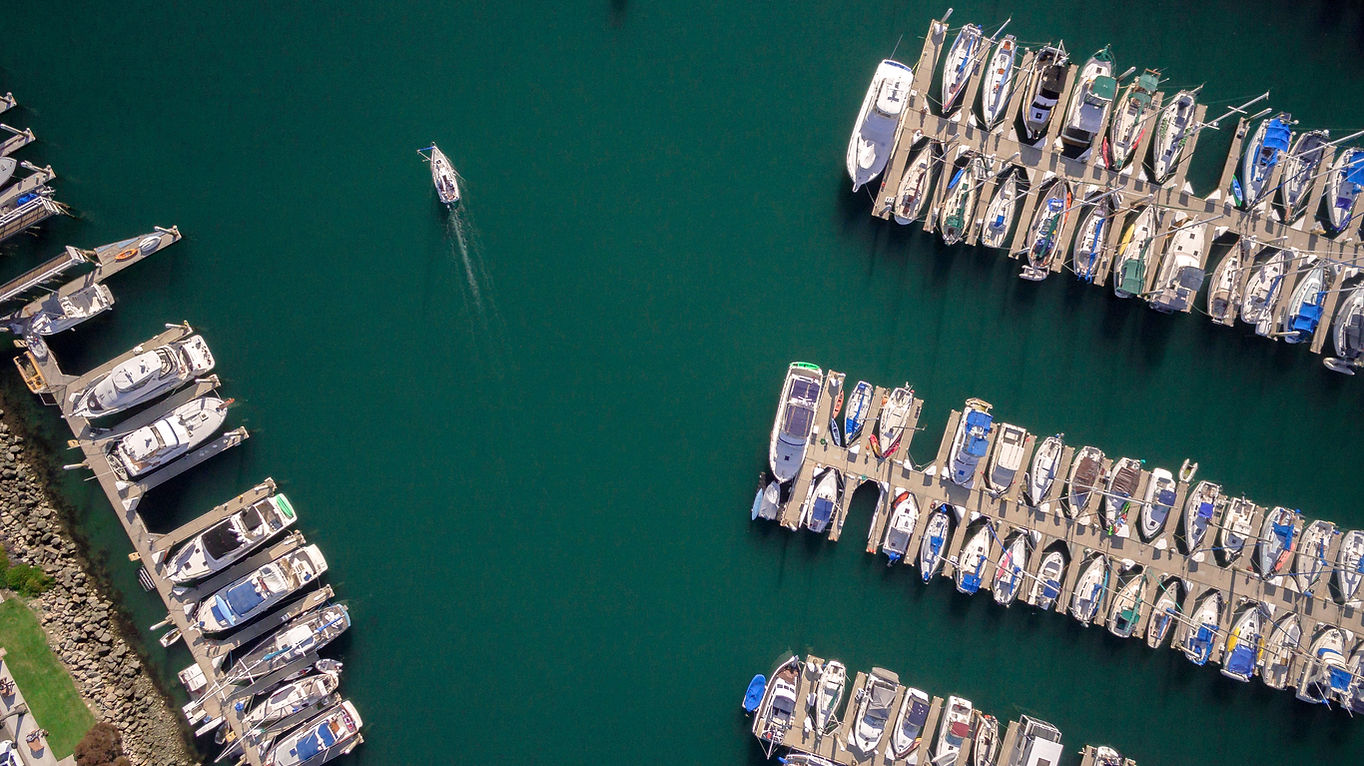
(82, 622)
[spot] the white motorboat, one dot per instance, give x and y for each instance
(1264, 150)
(1093, 97)
(1011, 571)
(916, 185)
(959, 65)
(1130, 120)
(1281, 647)
(1224, 289)
(1278, 536)
(1042, 474)
(963, 192)
(1257, 301)
(1090, 588)
(1046, 79)
(1306, 305)
(1342, 189)
(934, 541)
(1181, 272)
(999, 214)
(1135, 252)
(1200, 632)
(970, 442)
(823, 500)
(776, 712)
(1006, 457)
(1164, 612)
(891, 421)
(1348, 333)
(1350, 564)
(1327, 674)
(953, 730)
(7, 167)
(874, 132)
(1090, 237)
(1172, 131)
(1086, 475)
(998, 85)
(293, 697)
(1300, 169)
(59, 311)
(168, 438)
(908, 731)
(143, 378)
(975, 556)
(1126, 610)
(255, 593)
(1234, 530)
(443, 175)
(795, 419)
(1198, 513)
(1159, 501)
(332, 733)
(833, 679)
(1244, 643)
(1311, 556)
(230, 540)
(1046, 586)
(904, 515)
(1117, 500)
(873, 710)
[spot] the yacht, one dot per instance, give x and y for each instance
(822, 502)
(1122, 482)
(975, 556)
(443, 175)
(1261, 292)
(1348, 335)
(1089, 241)
(1045, 461)
(143, 378)
(994, 92)
(1011, 571)
(330, 734)
(59, 312)
(1350, 564)
(953, 730)
(904, 515)
(1181, 269)
(1327, 674)
(1234, 530)
(1164, 612)
(1086, 474)
(1045, 81)
(1311, 556)
(173, 435)
(875, 699)
(916, 185)
(230, 540)
(294, 697)
(1134, 254)
(934, 541)
(959, 208)
(1281, 647)
(1342, 188)
(1201, 630)
(874, 132)
(1300, 169)
(1159, 501)
(1090, 588)
(909, 724)
(1263, 152)
(1046, 586)
(795, 420)
(1044, 235)
(959, 65)
(305, 634)
(999, 214)
(1130, 120)
(1006, 457)
(1198, 512)
(891, 421)
(1224, 289)
(859, 404)
(1306, 305)
(1278, 536)
(1126, 610)
(1244, 643)
(257, 592)
(1093, 97)
(777, 711)
(970, 442)
(1172, 131)
(833, 679)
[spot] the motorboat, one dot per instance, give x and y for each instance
(1278, 536)
(1164, 612)
(330, 734)
(443, 175)
(1327, 674)
(1090, 588)
(998, 85)
(1089, 241)
(934, 541)
(1198, 512)
(953, 730)
(1235, 530)
(1350, 564)
(1130, 120)
(959, 65)
(985, 744)
(1122, 482)
(1281, 645)
(891, 421)
(859, 404)
(795, 419)
(904, 515)
(916, 185)
(1046, 459)
(833, 679)
(767, 503)
(293, 697)
(1011, 571)
(908, 731)
(169, 437)
(1306, 305)
(143, 378)
(874, 132)
(1244, 643)
(1257, 301)
(1159, 501)
(60, 311)
(255, 593)
(1300, 169)
(1093, 97)
(1006, 457)
(230, 540)
(1126, 610)
(833, 386)
(1044, 235)
(1181, 268)
(1046, 586)
(1342, 189)
(1086, 475)
(963, 191)
(1263, 152)
(1311, 556)
(1134, 253)
(1224, 289)
(1201, 630)
(970, 442)
(1107, 756)
(1348, 333)
(1172, 131)
(999, 214)
(975, 556)
(875, 700)
(1045, 83)
(307, 633)
(777, 711)
(823, 500)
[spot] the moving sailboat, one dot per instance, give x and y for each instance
(795, 419)
(970, 442)
(874, 131)
(985, 744)
(1045, 81)
(143, 378)
(1045, 462)
(443, 175)
(904, 516)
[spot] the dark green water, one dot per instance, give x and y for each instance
(534, 495)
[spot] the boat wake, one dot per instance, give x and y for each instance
(488, 328)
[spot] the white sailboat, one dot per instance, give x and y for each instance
(443, 175)
(999, 214)
(1046, 586)
(994, 92)
(916, 185)
(1045, 462)
(1010, 572)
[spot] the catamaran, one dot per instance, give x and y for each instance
(1306, 305)
(1085, 476)
(975, 556)
(963, 192)
(1327, 674)
(1159, 501)
(1244, 642)
(1134, 253)
(1046, 586)
(954, 729)
(1300, 169)
(1278, 536)
(1172, 130)
(1342, 189)
(173, 435)
(1044, 236)
(1089, 241)
(1093, 97)
(143, 378)
(934, 540)
(874, 131)
(1311, 556)
(904, 515)
(1235, 530)
(256, 592)
(959, 64)
(916, 185)
(999, 214)
(1122, 482)
(1201, 630)
(1130, 120)
(1281, 645)
(1348, 335)
(1350, 564)
(1126, 610)
(891, 421)
(1181, 269)
(1263, 152)
(970, 441)
(1042, 473)
(833, 679)
(1045, 81)
(909, 724)
(1198, 512)
(1090, 588)
(994, 92)
(1224, 289)
(1010, 572)
(795, 419)
(873, 709)
(334, 732)
(1257, 303)
(859, 404)
(230, 540)
(1006, 457)
(1164, 612)
(823, 500)
(443, 175)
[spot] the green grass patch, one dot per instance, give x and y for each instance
(49, 691)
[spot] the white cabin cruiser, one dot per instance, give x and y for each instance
(1234, 530)
(874, 131)
(876, 697)
(795, 419)
(904, 516)
(230, 540)
(254, 594)
(823, 500)
(970, 442)
(175, 434)
(1093, 97)
(294, 697)
(909, 724)
(954, 729)
(1181, 270)
(1160, 500)
(143, 378)
(1006, 457)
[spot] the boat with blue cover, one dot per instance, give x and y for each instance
(934, 541)
(1342, 189)
(975, 555)
(970, 442)
(255, 593)
(795, 419)
(1198, 513)
(823, 500)
(1044, 235)
(1263, 152)
(908, 731)
(859, 404)
(1164, 612)
(1046, 585)
(1306, 305)
(333, 733)
(1159, 501)
(1327, 674)
(904, 516)
(753, 695)
(1278, 536)
(1244, 642)
(1201, 630)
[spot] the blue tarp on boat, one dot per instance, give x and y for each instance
(1205, 510)
(1355, 171)
(1052, 589)
(754, 695)
(1340, 679)
(1306, 320)
(1277, 136)
(970, 582)
(823, 510)
(1241, 661)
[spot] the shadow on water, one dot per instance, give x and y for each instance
(616, 12)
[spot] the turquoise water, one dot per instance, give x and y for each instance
(529, 459)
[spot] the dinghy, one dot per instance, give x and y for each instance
(767, 504)
(753, 695)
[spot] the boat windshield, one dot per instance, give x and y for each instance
(221, 540)
(243, 598)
